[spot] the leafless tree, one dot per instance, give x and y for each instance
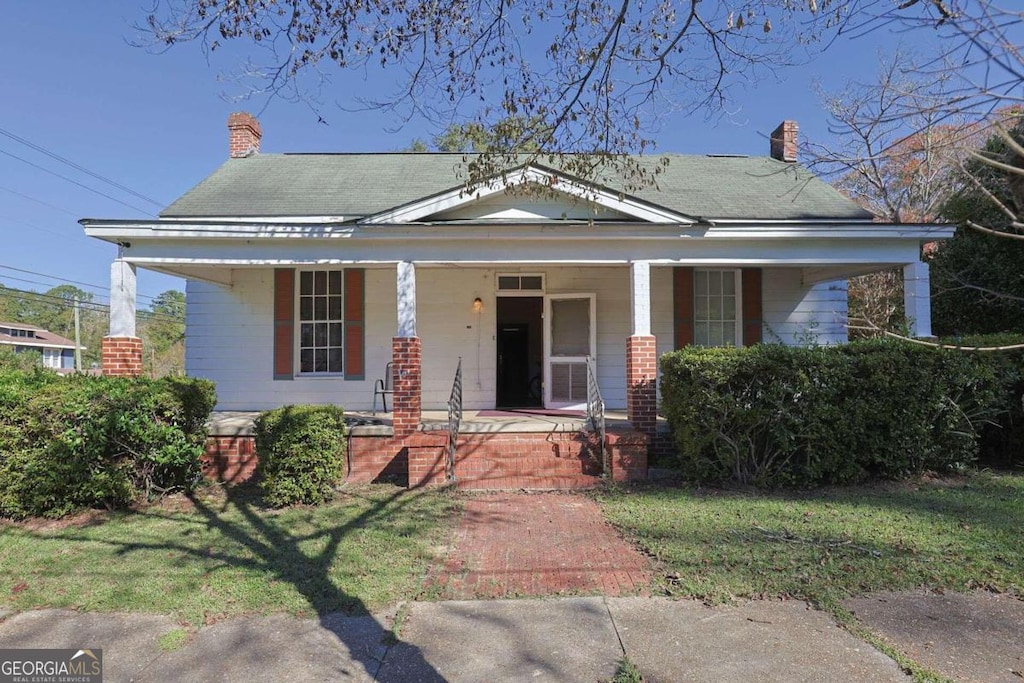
(594, 77)
(894, 150)
(905, 144)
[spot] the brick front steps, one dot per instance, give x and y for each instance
(577, 482)
(550, 458)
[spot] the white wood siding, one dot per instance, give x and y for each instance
(800, 315)
(229, 339)
(229, 330)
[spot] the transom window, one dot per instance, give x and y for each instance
(321, 322)
(716, 305)
(520, 283)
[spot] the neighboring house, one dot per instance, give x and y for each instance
(308, 273)
(58, 353)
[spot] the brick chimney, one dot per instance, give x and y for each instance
(244, 135)
(784, 142)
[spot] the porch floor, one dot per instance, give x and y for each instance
(365, 423)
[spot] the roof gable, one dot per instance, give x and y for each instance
(528, 194)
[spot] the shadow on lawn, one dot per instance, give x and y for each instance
(278, 554)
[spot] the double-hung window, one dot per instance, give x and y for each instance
(716, 308)
(321, 322)
(51, 358)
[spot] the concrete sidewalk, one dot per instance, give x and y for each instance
(568, 639)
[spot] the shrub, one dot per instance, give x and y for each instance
(771, 415)
(24, 361)
(1002, 440)
(78, 441)
(301, 453)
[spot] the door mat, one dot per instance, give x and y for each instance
(528, 412)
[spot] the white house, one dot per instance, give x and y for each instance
(57, 352)
(308, 273)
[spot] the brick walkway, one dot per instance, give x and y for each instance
(511, 544)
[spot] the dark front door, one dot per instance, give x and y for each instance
(519, 352)
(513, 365)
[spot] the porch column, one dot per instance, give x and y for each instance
(121, 350)
(917, 300)
(641, 354)
(406, 356)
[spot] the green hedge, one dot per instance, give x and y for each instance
(301, 453)
(1002, 440)
(79, 441)
(771, 415)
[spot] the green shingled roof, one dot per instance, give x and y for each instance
(353, 185)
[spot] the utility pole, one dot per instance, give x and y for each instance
(78, 340)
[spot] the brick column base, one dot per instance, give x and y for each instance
(427, 455)
(121, 356)
(642, 384)
(628, 455)
(406, 361)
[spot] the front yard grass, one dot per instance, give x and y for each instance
(221, 554)
(826, 545)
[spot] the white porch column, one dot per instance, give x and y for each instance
(121, 350)
(917, 299)
(640, 297)
(406, 299)
(122, 299)
(642, 357)
(407, 362)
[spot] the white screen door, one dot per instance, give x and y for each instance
(570, 340)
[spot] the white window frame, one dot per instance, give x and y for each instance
(52, 358)
(297, 318)
(520, 292)
(738, 321)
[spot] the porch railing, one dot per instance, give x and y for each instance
(595, 415)
(454, 421)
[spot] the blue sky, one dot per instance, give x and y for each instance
(155, 123)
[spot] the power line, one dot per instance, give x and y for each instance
(63, 279)
(31, 282)
(24, 295)
(10, 219)
(75, 182)
(39, 201)
(77, 167)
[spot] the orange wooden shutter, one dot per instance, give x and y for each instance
(355, 323)
(284, 323)
(752, 315)
(682, 294)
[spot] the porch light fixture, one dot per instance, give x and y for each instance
(478, 305)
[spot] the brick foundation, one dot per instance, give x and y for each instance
(121, 356)
(628, 455)
(406, 357)
(377, 458)
(531, 460)
(229, 459)
(641, 384)
(427, 455)
(663, 449)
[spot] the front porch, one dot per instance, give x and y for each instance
(510, 450)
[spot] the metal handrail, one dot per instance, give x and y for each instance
(595, 414)
(454, 421)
